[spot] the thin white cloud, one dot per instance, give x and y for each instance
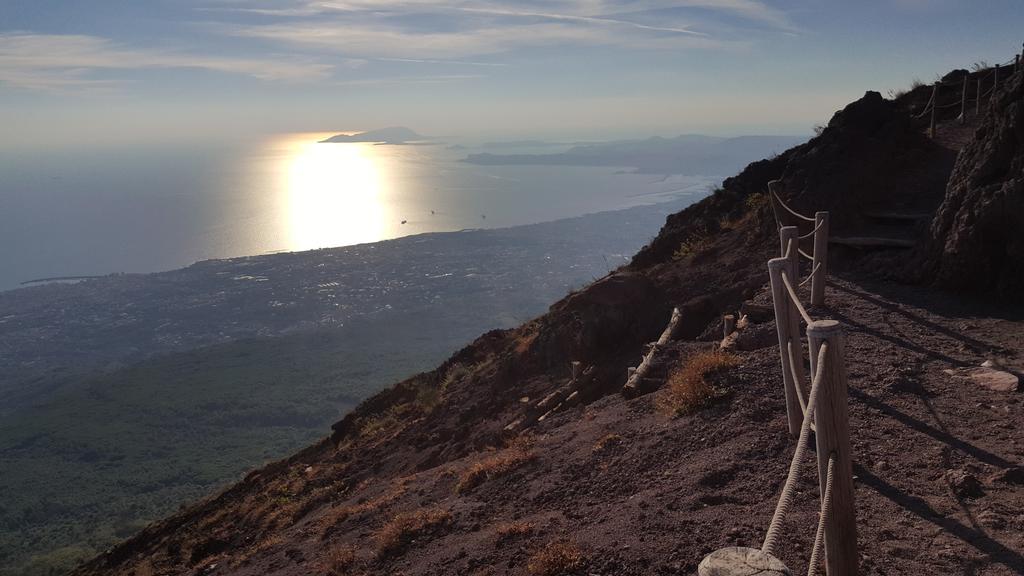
(450, 62)
(378, 41)
(440, 79)
(597, 11)
(54, 61)
(408, 30)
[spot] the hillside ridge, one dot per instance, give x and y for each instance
(426, 477)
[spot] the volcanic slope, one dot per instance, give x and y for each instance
(426, 478)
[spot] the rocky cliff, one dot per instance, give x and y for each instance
(976, 240)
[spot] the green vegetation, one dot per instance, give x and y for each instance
(108, 455)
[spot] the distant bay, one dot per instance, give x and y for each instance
(91, 212)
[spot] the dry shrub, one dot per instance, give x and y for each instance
(456, 373)
(555, 559)
(499, 464)
(694, 246)
(758, 200)
(607, 442)
(524, 342)
(513, 530)
(408, 526)
(687, 388)
(340, 561)
(339, 514)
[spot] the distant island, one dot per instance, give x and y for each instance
(687, 154)
(392, 135)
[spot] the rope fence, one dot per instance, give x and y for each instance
(980, 77)
(822, 411)
(818, 235)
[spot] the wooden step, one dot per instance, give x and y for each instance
(872, 242)
(898, 216)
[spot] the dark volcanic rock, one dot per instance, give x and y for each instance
(976, 242)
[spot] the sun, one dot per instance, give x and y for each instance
(335, 196)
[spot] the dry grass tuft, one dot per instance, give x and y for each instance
(511, 530)
(758, 200)
(497, 465)
(607, 442)
(408, 526)
(340, 561)
(694, 246)
(555, 559)
(687, 388)
(339, 514)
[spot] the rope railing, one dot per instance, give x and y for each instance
(786, 497)
(812, 232)
(792, 212)
(796, 377)
(819, 234)
(795, 299)
(826, 507)
(822, 412)
(811, 276)
(978, 78)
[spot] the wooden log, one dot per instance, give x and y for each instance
(552, 399)
(737, 561)
(571, 400)
(514, 426)
(832, 433)
(670, 330)
(819, 265)
(635, 375)
(787, 325)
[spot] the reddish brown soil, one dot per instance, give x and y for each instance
(641, 493)
(621, 487)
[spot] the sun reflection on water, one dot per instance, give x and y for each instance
(335, 195)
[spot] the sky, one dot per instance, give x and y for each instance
(102, 72)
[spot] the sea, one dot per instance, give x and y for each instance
(67, 213)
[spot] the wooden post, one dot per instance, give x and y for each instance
(977, 103)
(738, 561)
(1016, 63)
(963, 101)
(995, 81)
(832, 431)
(785, 234)
(790, 235)
(935, 106)
(728, 325)
(575, 369)
(787, 325)
(820, 262)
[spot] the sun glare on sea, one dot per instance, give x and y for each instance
(335, 195)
